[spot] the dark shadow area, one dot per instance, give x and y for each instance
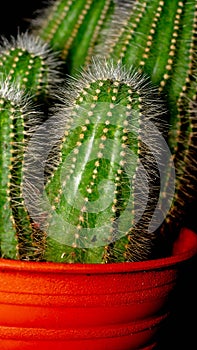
(180, 331)
(14, 15)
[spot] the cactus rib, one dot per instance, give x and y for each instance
(29, 62)
(159, 38)
(72, 28)
(16, 120)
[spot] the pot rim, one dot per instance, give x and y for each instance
(184, 249)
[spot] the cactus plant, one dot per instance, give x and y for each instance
(72, 28)
(29, 62)
(97, 177)
(108, 123)
(17, 119)
(159, 38)
(27, 68)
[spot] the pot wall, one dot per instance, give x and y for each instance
(85, 306)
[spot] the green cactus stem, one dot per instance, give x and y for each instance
(99, 191)
(28, 61)
(16, 121)
(159, 38)
(72, 28)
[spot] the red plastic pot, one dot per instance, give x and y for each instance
(123, 306)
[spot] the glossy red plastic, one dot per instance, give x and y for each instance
(119, 306)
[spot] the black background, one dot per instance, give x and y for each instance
(14, 15)
(181, 331)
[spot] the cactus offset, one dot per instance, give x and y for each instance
(159, 38)
(72, 28)
(93, 192)
(16, 121)
(29, 62)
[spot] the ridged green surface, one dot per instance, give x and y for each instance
(15, 122)
(28, 61)
(160, 39)
(94, 191)
(107, 181)
(72, 28)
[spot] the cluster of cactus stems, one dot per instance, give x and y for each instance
(28, 72)
(93, 182)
